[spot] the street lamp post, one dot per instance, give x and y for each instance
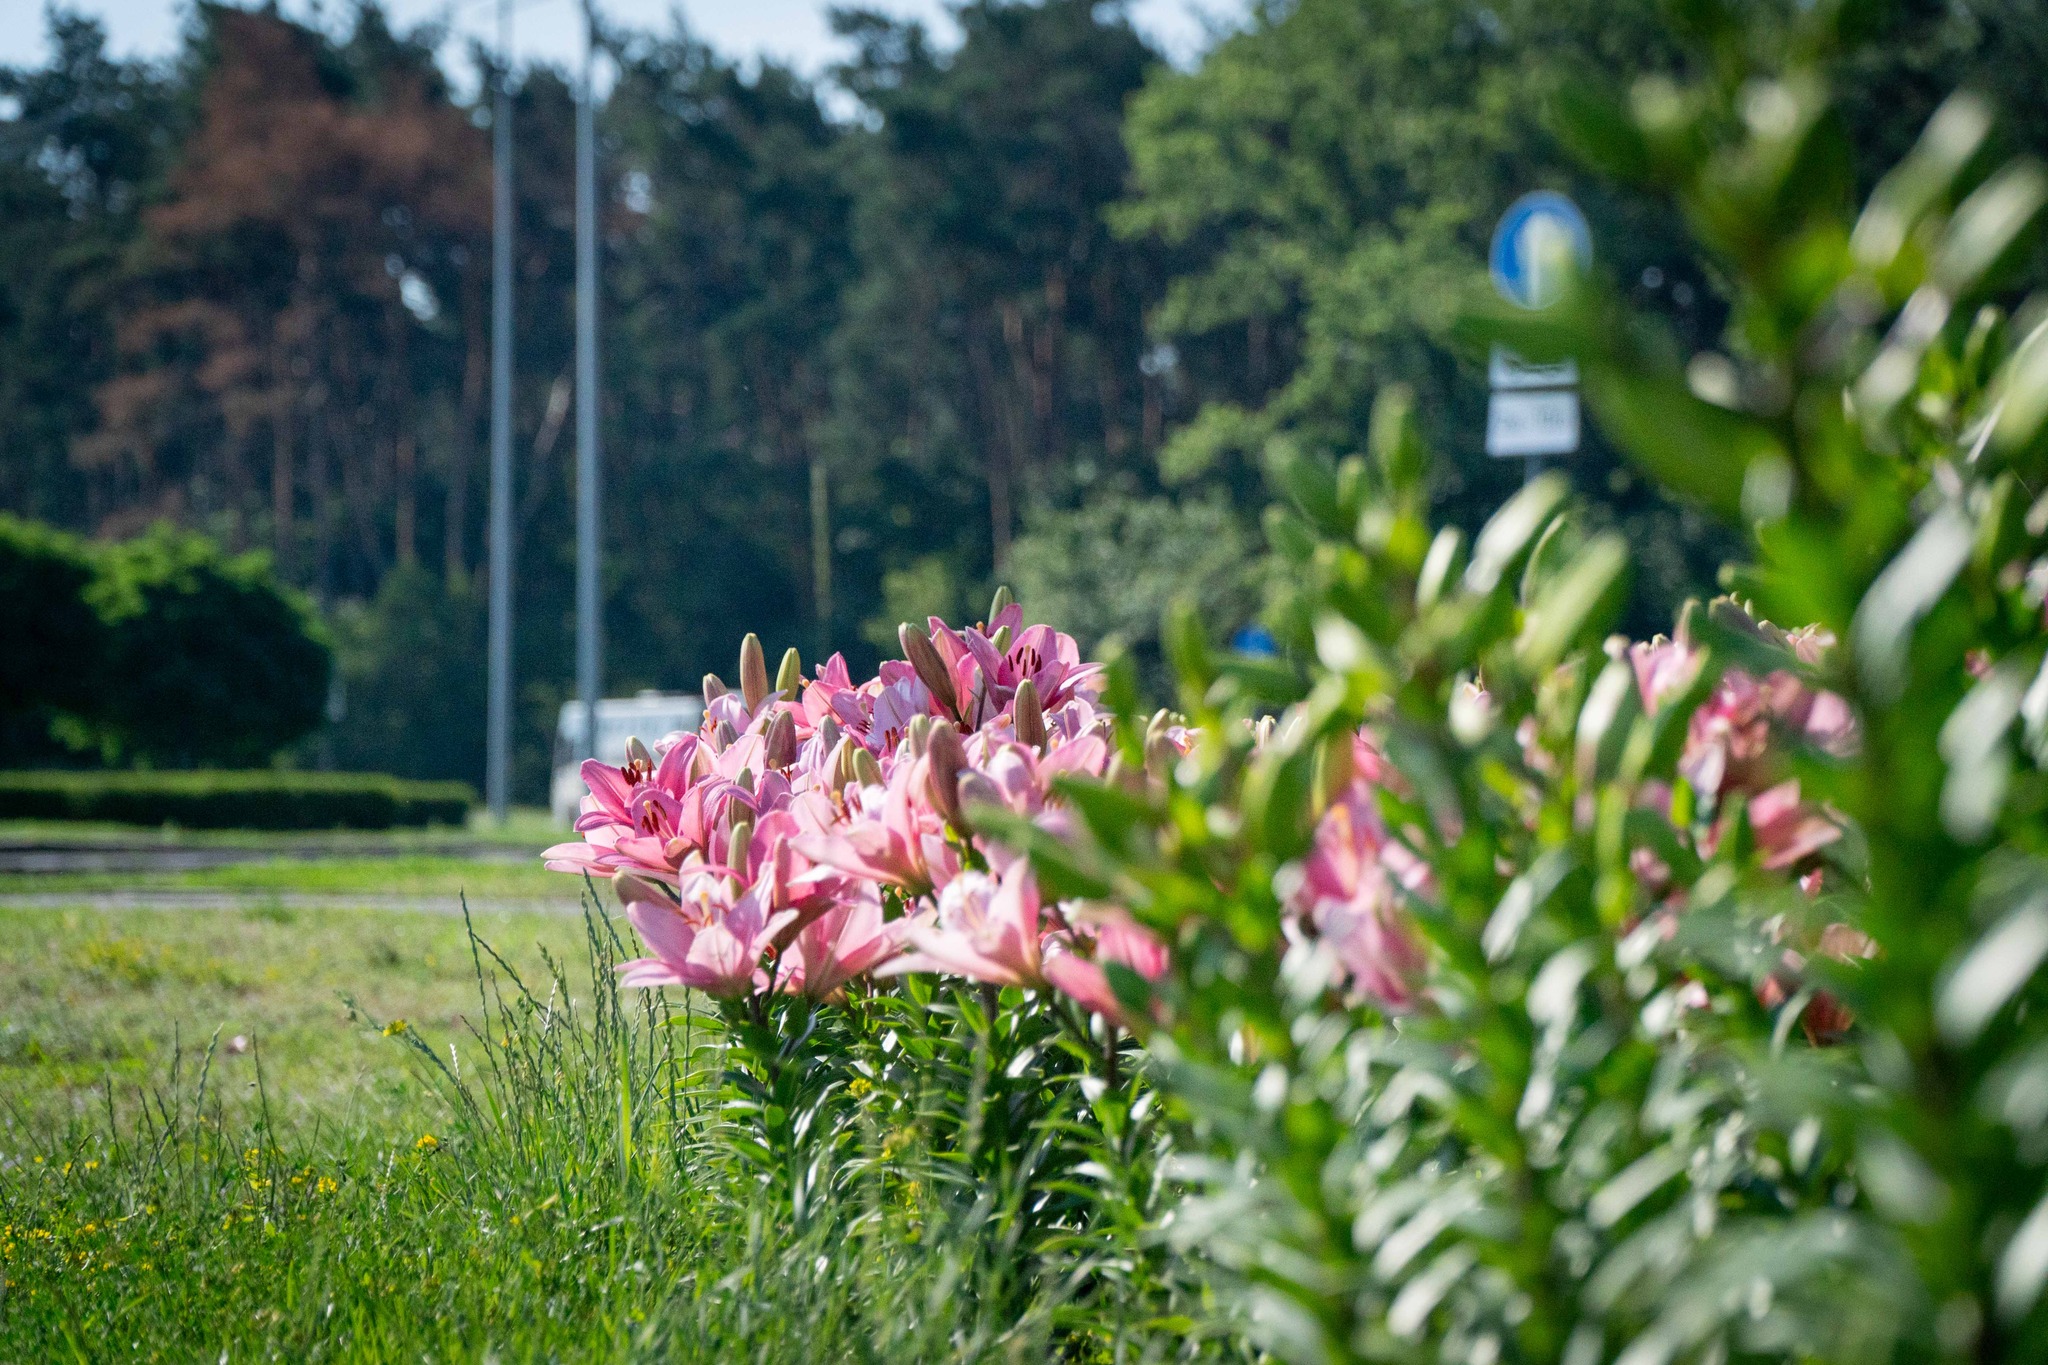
(498, 720)
(589, 620)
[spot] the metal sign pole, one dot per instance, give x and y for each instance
(498, 719)
(589, 624)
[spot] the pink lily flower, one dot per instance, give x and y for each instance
(891, 834)
(1117, 938)
(1350, 893)
(848, 940)
(984, 929)
(707, 939)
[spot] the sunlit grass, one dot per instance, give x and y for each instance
(427, 1176)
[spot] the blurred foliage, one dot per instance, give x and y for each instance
(1329, 178)
(1659, 1103)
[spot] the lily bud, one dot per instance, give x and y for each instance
(866, 771)
(753, 671)
(1160, 755)
(1002, 602)
(736, 845)
(790, 677)
(931, 669)
(745, 781)
(714, 688)
(724, 737)
(1001, 640)
(839, 767)
(778, 749)
(639, 761)
(1334, 762)
(1028, 715)
(828, 734)
(633, 889)
(946, 759)
(919, 733)
(977, 788)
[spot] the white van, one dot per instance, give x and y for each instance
(649, 715)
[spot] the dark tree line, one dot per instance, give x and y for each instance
(1028, 313)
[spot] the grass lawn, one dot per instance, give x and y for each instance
(542, 1178)
(90, 996)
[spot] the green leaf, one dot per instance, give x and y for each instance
(1598, 128)
(1993, 970)
(1907, 590)
(1695, 449)
(1990, 228)
(1512, 531)
(1583, 598)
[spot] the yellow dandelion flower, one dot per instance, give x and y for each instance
(395, 1027)
(427, 1143)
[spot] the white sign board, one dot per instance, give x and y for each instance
(1522, 422)
(1509, 371)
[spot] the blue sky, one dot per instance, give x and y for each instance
(794, 31)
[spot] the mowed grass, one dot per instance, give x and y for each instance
(93, 997)
(538, 1174)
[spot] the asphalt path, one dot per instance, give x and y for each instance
(205, 900)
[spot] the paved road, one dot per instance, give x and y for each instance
(203, 900)
(36, 856)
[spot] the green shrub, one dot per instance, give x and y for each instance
(55, 644)
(234, 800)
(163, 649)
(209, 659)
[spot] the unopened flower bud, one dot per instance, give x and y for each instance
(714, 688)
(1001, 639)
(639, 761)
(977, 788)
(1333, 769)
(736, 845)
(1160, 755)
(778, 748)
(919, 733)
(828, 734)
(723, 736)
(1028, 715)
(931, 669)
(839, 767)
(633, 889)
(1001, 603)
(866, 771)
(946, 759)
(745, 781)
(790, 677)
(753, 671)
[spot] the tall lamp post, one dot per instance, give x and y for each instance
(498, 735)
(589, 621)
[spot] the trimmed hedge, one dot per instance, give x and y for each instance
(260, 799)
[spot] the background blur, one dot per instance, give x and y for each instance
(1023, 295)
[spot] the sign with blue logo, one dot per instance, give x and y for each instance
(1540, 233)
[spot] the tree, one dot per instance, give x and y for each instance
(988, 362)
(87, 138)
